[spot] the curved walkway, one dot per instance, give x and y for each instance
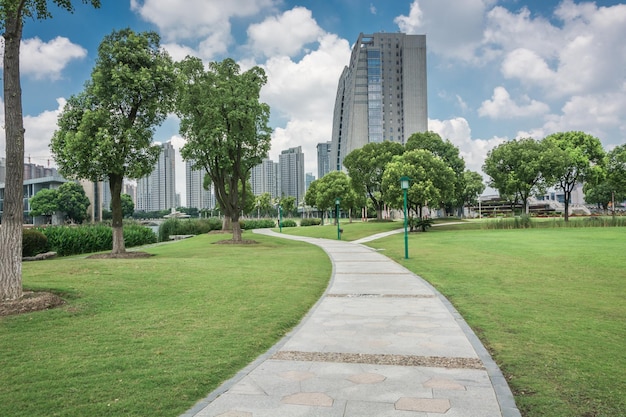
(380, 342)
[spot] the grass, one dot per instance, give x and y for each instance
(153, 336)
(351, 230)
(548, 304)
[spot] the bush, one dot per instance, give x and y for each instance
(75, 240)
(257, 224)
(187, 227)
(289, 223)
(33, 242)
(310, 222)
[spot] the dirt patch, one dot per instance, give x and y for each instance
(234, 242)
(125, 255)
(30, 301)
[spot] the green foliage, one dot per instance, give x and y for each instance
(310, 222)
(128, 207)
(74, 240)
(527, 222)
(423, 224)
(33, 242)
(44, 203)
(226, 127)
(288, 205)
(331, 186)
(289, 223)
(72, 200)
(250, 224)
(187, 227)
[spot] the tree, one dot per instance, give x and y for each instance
(288, 204)
(12, 16)
(128, 207)
(449, 154)
(72, 200)
(331, 186)
(431, 181)
(226, 127)
(44, 203)
(366, 167)
(105, 132)
(613, 187)
(473, 187)
(518, 168)
(263, 204)
(576, 157)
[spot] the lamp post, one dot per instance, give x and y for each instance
(280, 219)
(404, 184)
(337, 201)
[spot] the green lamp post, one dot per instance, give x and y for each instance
(337, 202)
(404, 184)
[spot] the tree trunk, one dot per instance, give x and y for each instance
(13, 213)
(115, 185)
(226, 224)
(236, 230)
(566, 196)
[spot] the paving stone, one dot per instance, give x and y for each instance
(313, 399)
(425, 405)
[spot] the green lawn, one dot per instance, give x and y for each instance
(150, 337)
(351, 230)
(548, 303)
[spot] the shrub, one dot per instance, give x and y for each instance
(310, 222)
(257, 224)
(33, 242)
(289, 223)
(187, 227)
(74, 240)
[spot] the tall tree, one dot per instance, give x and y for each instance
(366, 167)
(519, 167)
(73, 201)
(449, 154)
(473, 187)
(331, 186)
(226, 127)
(576, 158)
(105, 132)
(613, 187)
(12, 16)
(432, 181)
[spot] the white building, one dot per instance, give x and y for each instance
(157, 191)
(291, 164)
(197, 196)
(264, 178)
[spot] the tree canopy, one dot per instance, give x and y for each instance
(576, 157)
(13, 13)
(226, 127)
(44, 203)
(105, 132)
(366, 167)
(72, 200)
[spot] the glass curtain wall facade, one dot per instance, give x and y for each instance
(381, 93)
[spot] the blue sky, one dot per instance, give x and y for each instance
(497, 70)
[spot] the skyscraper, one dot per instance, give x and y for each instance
(264, 178)
(157, 191)
(291, 163)
(381, 93)
(197, 196)
(323, 158)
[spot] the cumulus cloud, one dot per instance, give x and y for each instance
(47, 59)
(38, 133)
(285, 34)
(502, 106)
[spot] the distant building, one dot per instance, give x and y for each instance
(197, 196)
(33, 171)
(32, 187)
(323, 159)
(3, 170)
(291, 163)
(309, 178)
(381, 95)
(264, 178)
(157, 191)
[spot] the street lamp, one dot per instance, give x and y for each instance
(337, 201)
(280, 219)
(404, 184)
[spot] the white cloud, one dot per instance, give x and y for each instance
(47, 59)
(38, 132)
(501, 106)
(473, 151)
(437, 17)
(286, 34)
(178, 52)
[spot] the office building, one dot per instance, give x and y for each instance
(197, 196)
(157, 191)
(323, 158)
(381, 94)
(291, 163)
(308, 179)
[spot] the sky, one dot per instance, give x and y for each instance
(497, 69)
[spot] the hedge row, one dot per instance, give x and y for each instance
(172, 227)
(74, 240)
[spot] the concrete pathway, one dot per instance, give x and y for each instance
(380, 342)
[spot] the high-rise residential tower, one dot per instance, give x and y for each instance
(291, 163)
(381, 93)
(197, 196)
(157, 191)
(323, 158)
(264, 178)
